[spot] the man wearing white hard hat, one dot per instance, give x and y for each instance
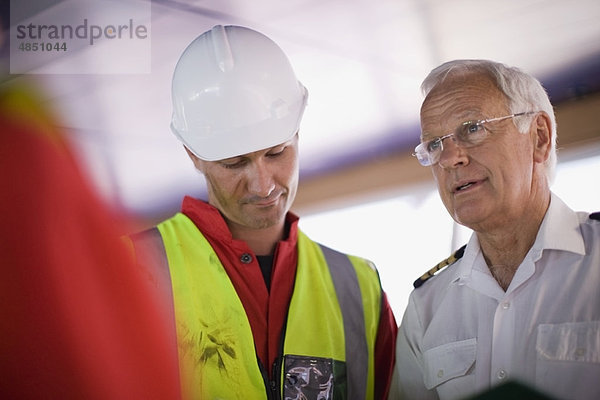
(261, 311)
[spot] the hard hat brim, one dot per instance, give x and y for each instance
(261, 135)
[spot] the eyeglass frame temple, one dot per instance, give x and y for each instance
(507, 116)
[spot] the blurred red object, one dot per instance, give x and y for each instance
(78, 319)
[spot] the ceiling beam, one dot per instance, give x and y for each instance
(578, 126)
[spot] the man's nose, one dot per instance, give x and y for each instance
(453, 155)
(260, 180)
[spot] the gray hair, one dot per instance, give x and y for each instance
(523, 91)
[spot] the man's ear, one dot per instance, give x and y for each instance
(197, 162)
(543, 137)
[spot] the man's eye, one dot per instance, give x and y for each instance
(233, 164)
(434, 145)
(276, 152)
(471, 128)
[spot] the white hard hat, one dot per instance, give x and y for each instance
(234, 92)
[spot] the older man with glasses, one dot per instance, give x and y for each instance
(521, 302)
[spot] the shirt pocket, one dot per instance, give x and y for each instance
(448, 361)
(568, 359)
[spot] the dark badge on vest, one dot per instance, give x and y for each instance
(308, 378)
(448, 261)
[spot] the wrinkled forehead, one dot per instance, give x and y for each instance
(459, 98)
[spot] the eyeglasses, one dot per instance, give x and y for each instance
(467, 134)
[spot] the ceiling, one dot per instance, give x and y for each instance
(362, 62)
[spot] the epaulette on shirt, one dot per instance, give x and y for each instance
(458, 254)
(448, 261)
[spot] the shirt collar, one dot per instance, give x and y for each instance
(560, 229)
(466, 263)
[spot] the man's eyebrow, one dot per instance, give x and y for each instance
(230, 159)
(470, 115)
(284, 144)
(426, 136)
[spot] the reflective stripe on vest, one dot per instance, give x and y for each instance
(184, 244)
(346, 283)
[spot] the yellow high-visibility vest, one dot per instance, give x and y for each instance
(330, 333)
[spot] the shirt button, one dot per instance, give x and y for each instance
(506, 305)
(246, 258)
(440, 373)
(501, 374)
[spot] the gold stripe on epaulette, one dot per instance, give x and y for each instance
(448, 261)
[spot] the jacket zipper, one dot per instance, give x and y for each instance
(266, 380)
(275, 380)
(276, 384)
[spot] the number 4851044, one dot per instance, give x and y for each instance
(43, 46)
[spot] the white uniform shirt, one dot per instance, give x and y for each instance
(461, 333)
